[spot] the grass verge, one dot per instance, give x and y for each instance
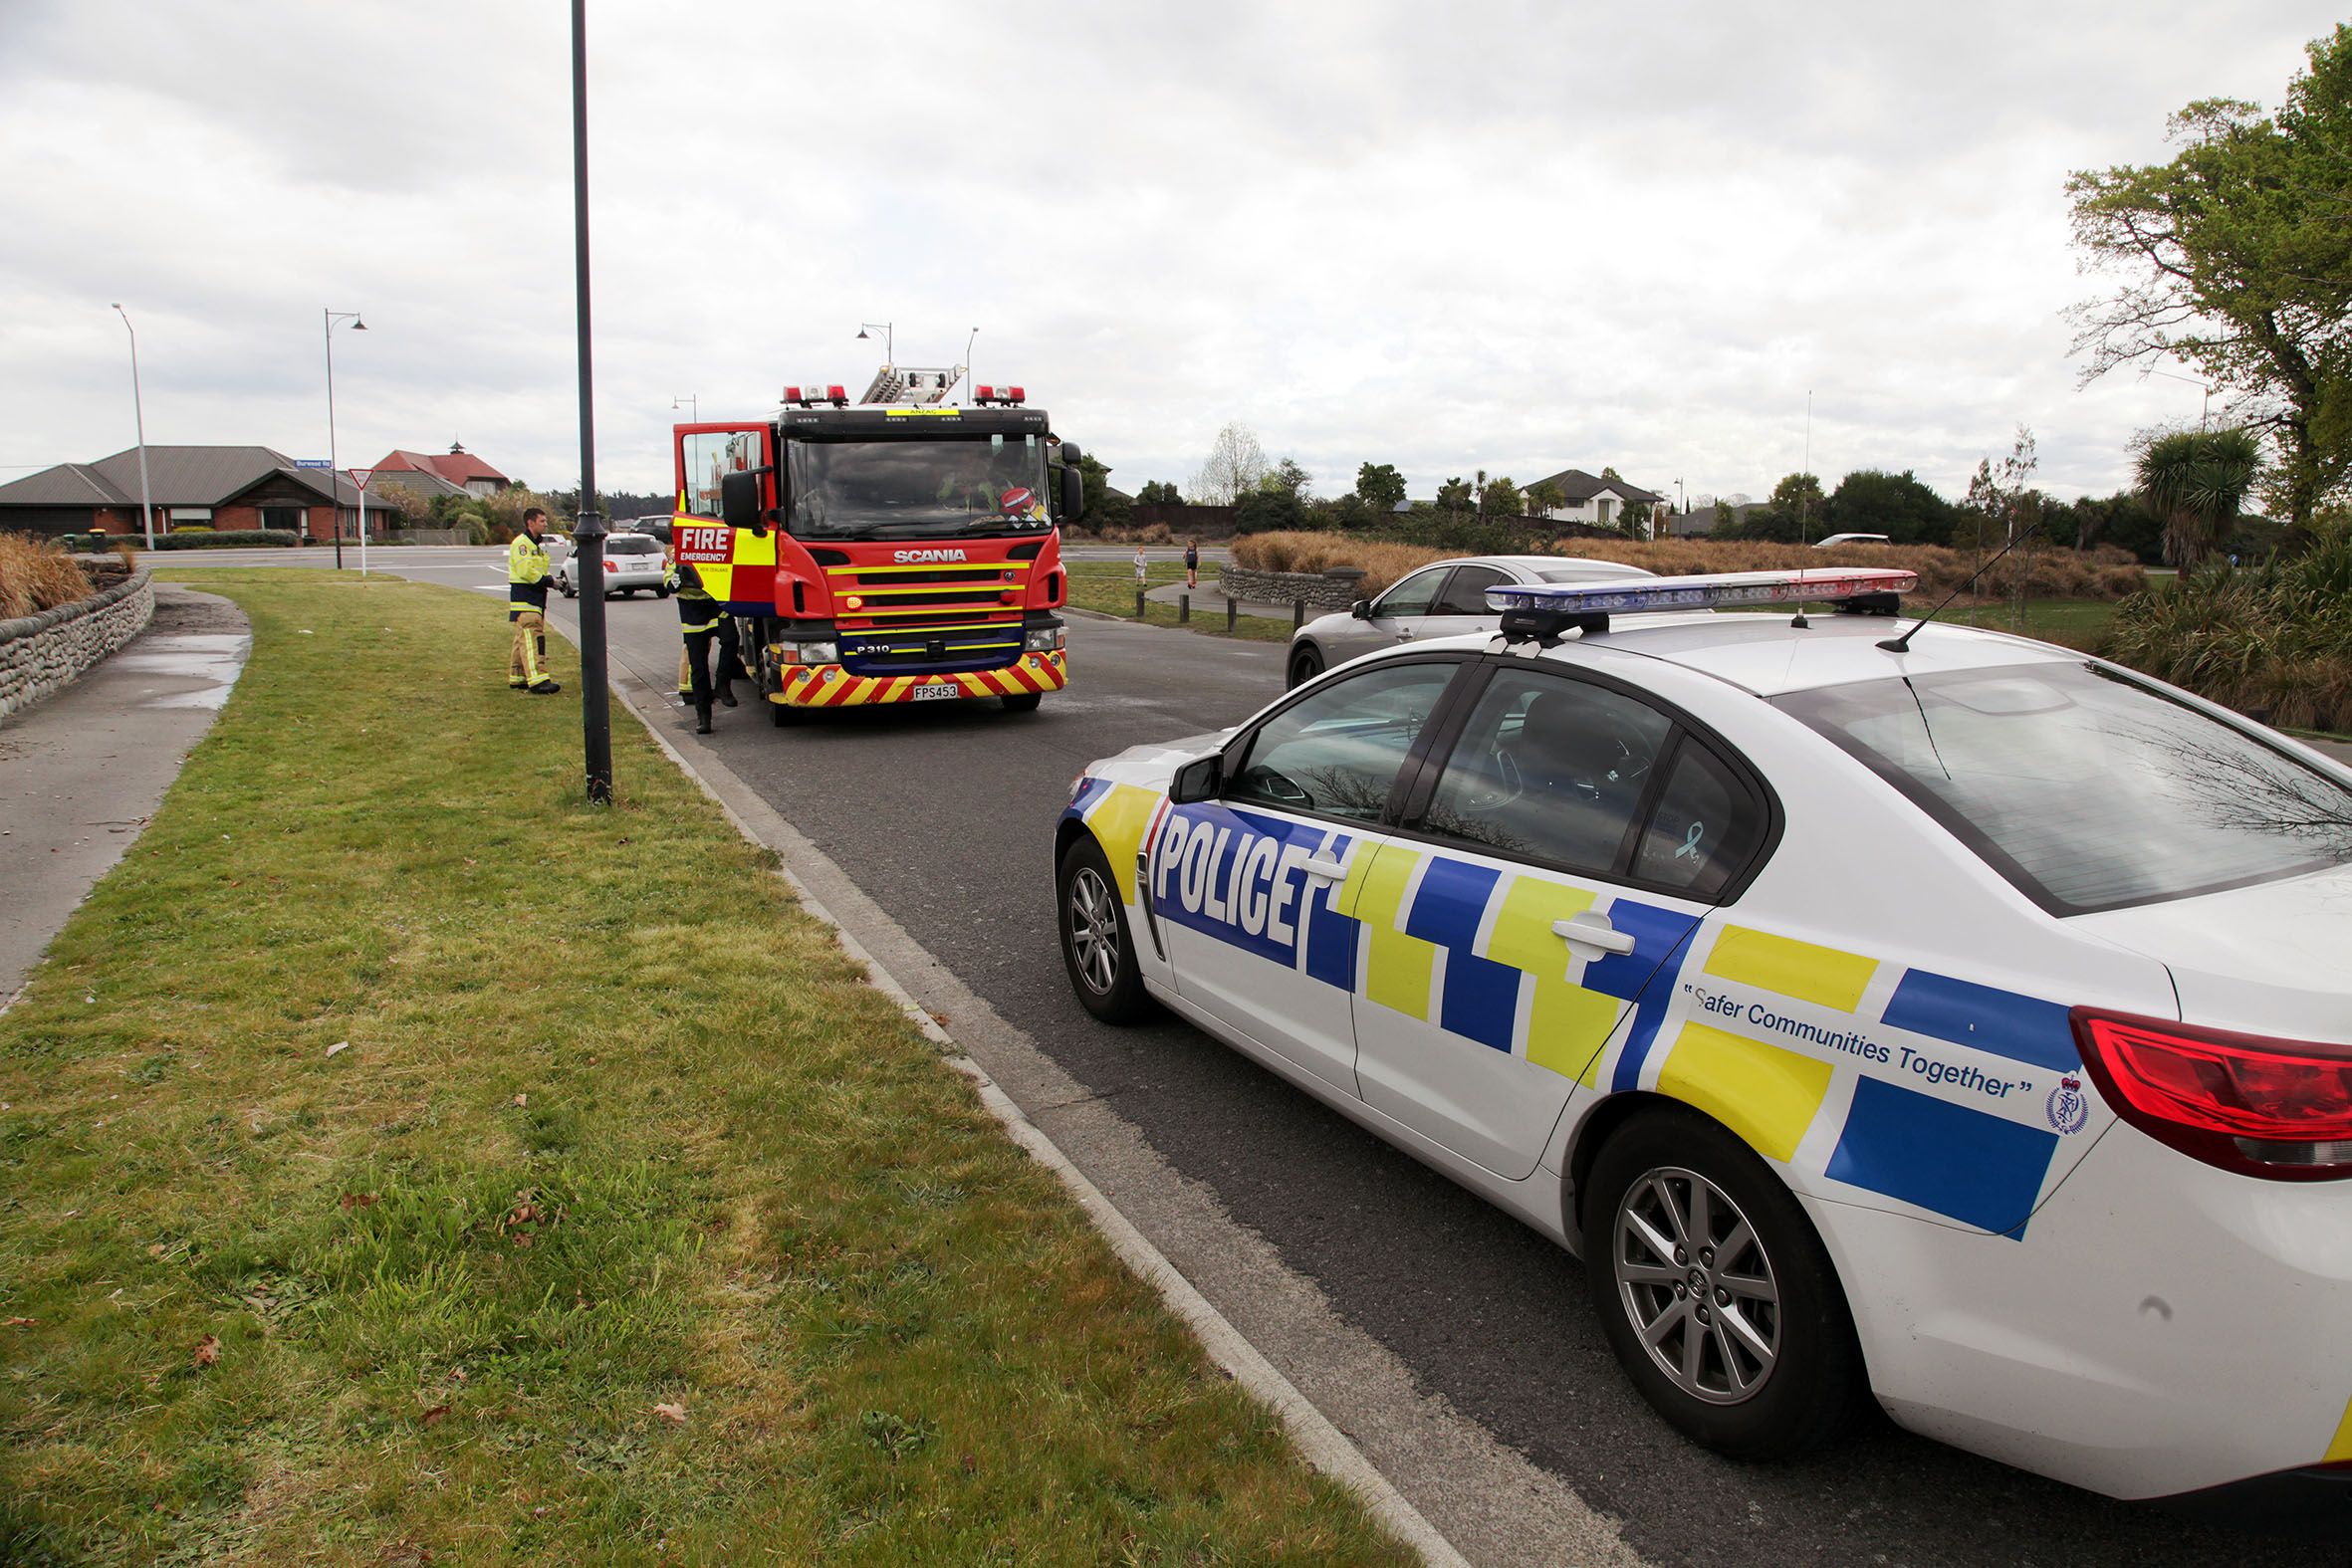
(1109, 587)
(629, 1224)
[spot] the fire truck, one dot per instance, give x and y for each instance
(901, 549)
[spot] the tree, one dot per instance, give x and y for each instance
(1159, 493)
(1499, 497)
(1635, 522)
(1544, 498)
(2238, 256)
(1380, 487)
(1234, 464)
(1268, 509)
(2196, 481)
(1094, 481)
(1288, 475)
(1868, 501)
(1454, 495)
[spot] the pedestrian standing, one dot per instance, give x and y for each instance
(526, 606)
(703, 620)
(1191, 563)
(1140, 572)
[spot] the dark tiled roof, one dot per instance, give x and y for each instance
(177, 476)
(66, 485)
(1579, 487)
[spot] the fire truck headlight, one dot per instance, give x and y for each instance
(1043, 639)
(807, 653)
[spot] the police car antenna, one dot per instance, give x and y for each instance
(1902, 644)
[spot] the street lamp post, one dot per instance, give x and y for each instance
(334, 319)
(966, 366)
(587, 534)
(692, 406)
(146, 506)
(890, 353)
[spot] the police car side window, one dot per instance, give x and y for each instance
(1549, 769)
(1706, 827)
(1337, 751)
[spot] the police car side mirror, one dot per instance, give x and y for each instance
(1361, 609)
(739, 498)
(1197, 782)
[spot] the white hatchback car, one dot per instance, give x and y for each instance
(1953, 1018)
(1444, 600)
(631, 562)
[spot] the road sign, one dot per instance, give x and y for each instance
(314, 462)
(360, 476)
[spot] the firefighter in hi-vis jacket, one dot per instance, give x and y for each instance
(703, 620)
(526, 606)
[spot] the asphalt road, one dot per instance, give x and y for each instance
(944, 816)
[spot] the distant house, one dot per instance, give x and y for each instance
(1596, 503)
(215, 487)
(458, 466)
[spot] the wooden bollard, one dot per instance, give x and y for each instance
(1183, 609)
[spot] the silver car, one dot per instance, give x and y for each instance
(631, 562)
(1441, 599)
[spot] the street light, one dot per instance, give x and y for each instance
(334, 319)
(688, 402)
(2199, 385)
(966, 366)
(889, 353)
(146, 507)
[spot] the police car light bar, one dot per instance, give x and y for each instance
(1545, 610)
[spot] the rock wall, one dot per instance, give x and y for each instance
(1287, 587)
(44, 653)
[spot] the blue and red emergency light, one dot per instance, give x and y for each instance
(1547, 609)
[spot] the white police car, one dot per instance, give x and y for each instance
(1948, 1016)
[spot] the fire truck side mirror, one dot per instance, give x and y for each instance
(739, 499)
(1073, 494)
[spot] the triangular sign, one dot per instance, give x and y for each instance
(360, 476)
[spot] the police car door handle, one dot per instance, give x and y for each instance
(1592, 930)
(1325, 871)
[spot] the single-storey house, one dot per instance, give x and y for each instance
(215, 487)
(1596, 503)
(458, 466)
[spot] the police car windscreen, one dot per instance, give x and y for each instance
(2085, 790)
(918, 488)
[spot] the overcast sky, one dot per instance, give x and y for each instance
(1518, 237)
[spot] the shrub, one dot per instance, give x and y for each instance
(2275, 639)
(35, 575)
(194, 539)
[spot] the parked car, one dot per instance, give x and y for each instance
(1443, 599)
(1946, 1017)
(1851, 539)
(631, 562)
(653, 527)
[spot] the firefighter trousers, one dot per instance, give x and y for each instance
(528, 665)
(730, 666)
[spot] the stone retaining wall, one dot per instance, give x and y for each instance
(1287, 587)
(45, 652)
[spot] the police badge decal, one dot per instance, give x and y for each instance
(2066, 1107)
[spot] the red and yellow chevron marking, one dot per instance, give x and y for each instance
(831, 686)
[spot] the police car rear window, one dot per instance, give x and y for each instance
(2087, 790)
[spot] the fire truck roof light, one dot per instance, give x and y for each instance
(791, 394)
(1704, 590)
(984, 393)
(1014, 395)
(837, 395)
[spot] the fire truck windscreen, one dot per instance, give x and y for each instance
(902, 489)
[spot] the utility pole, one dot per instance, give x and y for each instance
(588, 532)
(146, 507)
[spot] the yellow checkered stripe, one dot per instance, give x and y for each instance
(831, 686)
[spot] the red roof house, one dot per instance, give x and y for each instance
(459, 467)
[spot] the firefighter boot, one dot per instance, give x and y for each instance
(702, 718)
(725, 694)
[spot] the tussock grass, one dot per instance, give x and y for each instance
(35, 575)
(2049, 572)
(631, 1224)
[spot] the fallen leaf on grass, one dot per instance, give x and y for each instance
(358, 1200)
(521, 1098)
(23, 1322)
(676, 1415)
(338, 1045)
(433, 1418)
(207, 1351)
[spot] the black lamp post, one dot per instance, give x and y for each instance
(588, 532)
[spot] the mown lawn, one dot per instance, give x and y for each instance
(1109, 588)
(402, 1162)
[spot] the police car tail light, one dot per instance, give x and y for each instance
(2249, 1103)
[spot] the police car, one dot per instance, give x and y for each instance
(1879, 1008)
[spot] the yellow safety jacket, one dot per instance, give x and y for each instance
(526, 576)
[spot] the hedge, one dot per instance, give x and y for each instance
(236, 535)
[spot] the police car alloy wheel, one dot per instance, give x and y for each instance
(1096, 944)
(1305, 665)
(1716, 1293)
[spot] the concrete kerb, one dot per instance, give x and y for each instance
(1325, 1445)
